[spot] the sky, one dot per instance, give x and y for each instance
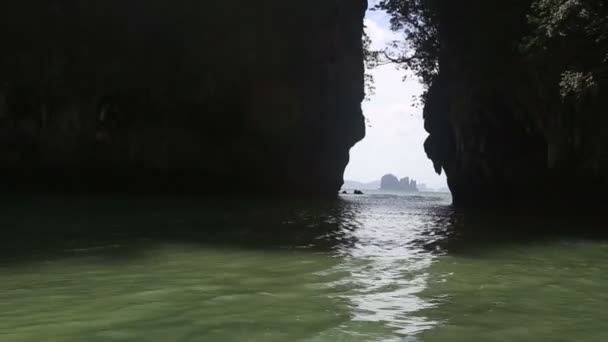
(395, 132)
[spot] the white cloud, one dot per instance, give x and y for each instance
(394, 142)
(379, 36)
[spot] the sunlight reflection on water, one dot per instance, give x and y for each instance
(378, 267)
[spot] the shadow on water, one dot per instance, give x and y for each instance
(39, 227)
(471, 233)
(34, 227)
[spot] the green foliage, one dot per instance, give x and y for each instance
(576, 84)
(570, 36)
(371, 58)
(573, 36)
(419, 51)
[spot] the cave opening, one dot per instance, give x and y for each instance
(395, 134)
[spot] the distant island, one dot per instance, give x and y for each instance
(392, 183)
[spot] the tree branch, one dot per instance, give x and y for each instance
(401, 60)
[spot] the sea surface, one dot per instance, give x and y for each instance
(377, 267)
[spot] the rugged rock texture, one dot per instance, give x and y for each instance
(188, 96)
(498, 124)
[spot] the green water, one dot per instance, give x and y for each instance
(371, 268)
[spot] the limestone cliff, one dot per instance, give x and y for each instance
(500, 126)
(188, 96)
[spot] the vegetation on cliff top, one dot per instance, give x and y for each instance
(570, 34)
(573, 34)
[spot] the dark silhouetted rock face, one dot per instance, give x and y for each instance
(498, 125)
(197, 96)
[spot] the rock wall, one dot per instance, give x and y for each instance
(189, 96)
(498, 126)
